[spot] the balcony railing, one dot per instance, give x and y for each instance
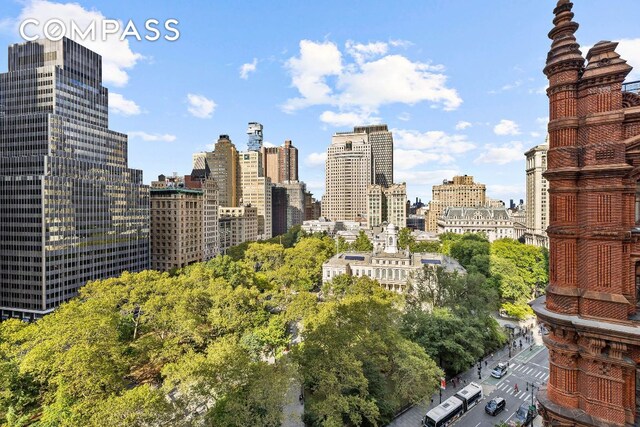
(633, 87)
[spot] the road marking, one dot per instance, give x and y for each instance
(528, 371)
(539, 374)
(478, 424)
(528, 397)
(546, 377)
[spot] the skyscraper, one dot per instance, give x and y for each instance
(537, 198)
(255, 189)
(70, 208)
(348, 175)
(381, 141)
(280, 163)
(255, 136)
(223, 164)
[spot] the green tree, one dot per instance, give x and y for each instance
(362, 243)
(405, 239)
(264, 256)
(356, 366)
(472, 251)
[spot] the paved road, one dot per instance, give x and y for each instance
(525, 366)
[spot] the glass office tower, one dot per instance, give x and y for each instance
(70, 209)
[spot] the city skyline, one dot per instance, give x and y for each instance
(304, 80)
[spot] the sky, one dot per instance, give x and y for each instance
(459, 83)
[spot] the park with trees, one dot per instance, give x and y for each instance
(221, 342)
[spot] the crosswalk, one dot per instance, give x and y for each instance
(537, 372)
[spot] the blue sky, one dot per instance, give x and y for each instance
(459, 82)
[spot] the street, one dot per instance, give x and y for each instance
(525, 366)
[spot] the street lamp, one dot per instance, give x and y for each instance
(534, 387)
(510, 336)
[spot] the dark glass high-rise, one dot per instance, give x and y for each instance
(71, 210)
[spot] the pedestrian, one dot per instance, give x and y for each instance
(465, 382)
(486, 363)
(515, 388)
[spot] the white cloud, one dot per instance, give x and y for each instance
(501, 154)
(629, 49)
(268, 144)
(462, 125)
(309, 71)
(362, 52)
(409, 159)
(250, 67)
(316, 159)
(117, 56)
(434, 141)
(404, 116)
(152, 136)
(506, 127)
(323, 76)
(118, 104)
(200, 106)
(347, 119)
(535, 134)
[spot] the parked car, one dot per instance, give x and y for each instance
(499, 371)
(525, 414)
(495, 406)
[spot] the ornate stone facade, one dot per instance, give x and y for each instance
(591, 307)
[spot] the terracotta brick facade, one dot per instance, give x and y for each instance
(594, 265)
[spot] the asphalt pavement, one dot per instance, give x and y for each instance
(526, 365)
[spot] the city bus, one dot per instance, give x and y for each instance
(444, 414)
(470, 395)
(454, 407)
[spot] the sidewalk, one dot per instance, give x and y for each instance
(502, 355)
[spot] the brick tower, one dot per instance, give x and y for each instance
(591, 307)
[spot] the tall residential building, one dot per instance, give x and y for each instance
(295, 202)
(223, 166)
(184, 223)
(279, 202)
(460, 192)
(348, 175)
(210, 223)
(176, 227)
(237, 225)
(254, 132)
(591, 306)
(280, 163)
(537, 197)
(71, 210)
(356, 160)
(199, 160)
(381, 141)
(312, 208)
(255, 189)
(387, 205)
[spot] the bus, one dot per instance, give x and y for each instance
(444, 414)
(454, 407)
(470, 395)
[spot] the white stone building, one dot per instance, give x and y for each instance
(495, 223)
(391, 267)
(537, 197)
